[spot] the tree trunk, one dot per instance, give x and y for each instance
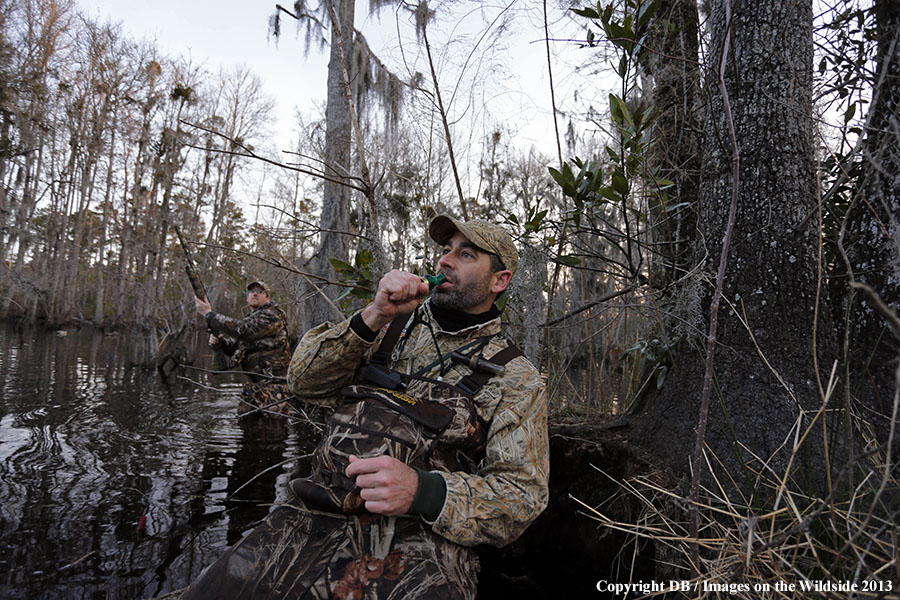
(871, 236)
(335, 217)
(100, 298)
(675, 153)
(771, 277)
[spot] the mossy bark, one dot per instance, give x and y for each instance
(771, 331)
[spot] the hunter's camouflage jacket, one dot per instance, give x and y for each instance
(258, 342)
(509, 489)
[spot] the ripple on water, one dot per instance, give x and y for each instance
(88, 445)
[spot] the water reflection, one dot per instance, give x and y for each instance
(90, 443)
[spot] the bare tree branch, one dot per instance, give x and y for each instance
(248, 153)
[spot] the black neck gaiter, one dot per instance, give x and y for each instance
(456, 320)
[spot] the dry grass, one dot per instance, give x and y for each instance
(756, 546)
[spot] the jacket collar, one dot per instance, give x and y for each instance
(490, 326)
(268, 304)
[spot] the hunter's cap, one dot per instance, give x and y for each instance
(487, 236)
(259, 284)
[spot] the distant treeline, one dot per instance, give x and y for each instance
(105, 144)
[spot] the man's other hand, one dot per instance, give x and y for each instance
(387, 485)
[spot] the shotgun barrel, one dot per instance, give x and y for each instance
(190, 269)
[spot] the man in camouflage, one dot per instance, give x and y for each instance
(257, 345)
(398, 517)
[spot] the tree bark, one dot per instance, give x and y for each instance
(764, 372)
(870, 235)
(335, 215)
(675, 153)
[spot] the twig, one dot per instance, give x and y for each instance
(890, 317)
(280, 265)
(72, 564)
(248, 153)
(202, 385)
(589, 305)
(314, 227)
(299, 17)
(717, 293)
(234, 371)
(263, 472)
(443, 112)
(815, 329)
(552, 90)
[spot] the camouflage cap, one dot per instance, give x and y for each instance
(260, 284)
(486, 236)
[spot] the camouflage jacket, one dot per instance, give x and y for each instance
(509, 488)
(258, 343)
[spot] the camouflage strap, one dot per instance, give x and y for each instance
(474, 381)
(377, 371)
(390, 339)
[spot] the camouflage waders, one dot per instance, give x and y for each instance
(299, 553)
(258, 345)
(328, 545)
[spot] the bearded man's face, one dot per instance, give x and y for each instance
(469, 277)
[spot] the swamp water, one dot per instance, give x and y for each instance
(115, 484)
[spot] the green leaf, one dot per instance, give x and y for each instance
(555, 174)
(364, 258)
(607, 13)
(585, 167)
(620, 184)
(596, 179)
(609, 193)
(341, 266)
(588, 13)
(616, 33)
(569, 261)
(673, 207)
(618, 106)
(851, 111)
(502, 300)
(661, 376)
(560, 178)
(565, 179)
(641, 345)
(647, 11)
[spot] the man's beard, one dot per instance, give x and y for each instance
(462, 297)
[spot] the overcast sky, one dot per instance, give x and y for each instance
(226, 33)
(507, 89)
(232, 32)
